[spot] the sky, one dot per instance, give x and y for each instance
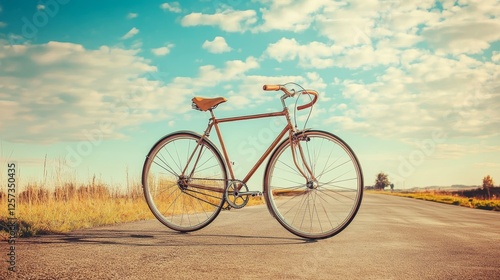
(87, 87)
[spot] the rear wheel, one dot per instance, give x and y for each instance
(318, 205)
(184, 181)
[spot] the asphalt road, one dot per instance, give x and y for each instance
(390, 238)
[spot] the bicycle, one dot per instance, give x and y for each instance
(313, 182)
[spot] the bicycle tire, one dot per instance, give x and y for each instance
(180, 206)
(314, 209)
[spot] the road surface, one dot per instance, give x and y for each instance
(390, 238)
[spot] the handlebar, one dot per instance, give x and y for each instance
(271, 87)
(315, 98)
(282, 88)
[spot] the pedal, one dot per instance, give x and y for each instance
(251, 193)
(258, 194)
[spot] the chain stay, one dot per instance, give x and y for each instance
(243, 194)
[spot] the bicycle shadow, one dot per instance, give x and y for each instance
(162, 239)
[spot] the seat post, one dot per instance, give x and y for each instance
(212, 113)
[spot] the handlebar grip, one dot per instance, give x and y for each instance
(310, 92)
(271, 87)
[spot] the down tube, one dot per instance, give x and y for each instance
(267, 152)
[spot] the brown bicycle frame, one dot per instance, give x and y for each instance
(214, 122)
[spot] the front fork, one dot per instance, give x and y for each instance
(299, 156)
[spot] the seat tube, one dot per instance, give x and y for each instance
(223, 146)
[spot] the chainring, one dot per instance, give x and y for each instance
(233, 196)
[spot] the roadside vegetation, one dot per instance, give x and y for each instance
(450, 198)
(70, 207)
(486, 197)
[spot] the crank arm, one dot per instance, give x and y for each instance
(252, 193)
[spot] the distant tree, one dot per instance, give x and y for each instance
(381, 181)
(488, 184)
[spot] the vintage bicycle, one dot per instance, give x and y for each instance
(313, 182)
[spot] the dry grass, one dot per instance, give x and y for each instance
(454, 199)
(57, 204)
(40, 211)
(69, 207)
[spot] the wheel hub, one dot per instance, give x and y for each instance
(182, 183)
(312, 184)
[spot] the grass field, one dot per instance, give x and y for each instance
(41, 211)
(70, 207)
(448, 198)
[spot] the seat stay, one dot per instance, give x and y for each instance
(185, 171)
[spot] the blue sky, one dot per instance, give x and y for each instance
(87, 87)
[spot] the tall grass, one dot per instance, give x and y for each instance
(69, 207)
(58, 204)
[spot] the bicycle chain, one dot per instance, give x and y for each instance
(228, 205)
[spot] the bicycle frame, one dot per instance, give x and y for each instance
(214, 122)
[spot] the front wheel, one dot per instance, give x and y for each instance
(318, 194)
(184, 181)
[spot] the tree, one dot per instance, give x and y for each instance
(381, 181)
(488, 184)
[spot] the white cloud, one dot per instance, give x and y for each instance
(399, 40)
(290, 15)
(162, 50)
(131, 15)
(426, 93)
(312, 55)
(495, 56)
(173, 7)
(131, 33)
(81, 91)
(320, 55)
(354, 23)
(76, 89)
(217, 45)
(365, 35)
(463, 37)
(346, 31)
(2, 24)
(209, 75)
(468, 27)
(367, 57)
(40, 7)
(227, 20)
